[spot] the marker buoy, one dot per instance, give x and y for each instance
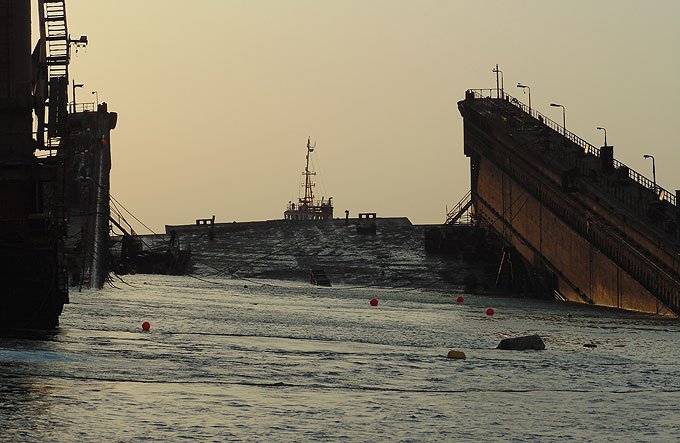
(455, 354)
(374, 302)
(490, 311)
(460, 299)
(146, 326)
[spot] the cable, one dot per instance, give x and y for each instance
(317, 168)
(131, 214)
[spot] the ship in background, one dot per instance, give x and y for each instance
(307, 208)
(55, 161)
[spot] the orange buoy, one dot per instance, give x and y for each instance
(490, 311)
(455, 354)
(460, 299)
(146, 326)
(374, 302)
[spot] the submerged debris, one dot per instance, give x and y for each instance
(522, 343)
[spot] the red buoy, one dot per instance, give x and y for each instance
(146, 326)
(374, 302)
(490, 311)
(460, 299)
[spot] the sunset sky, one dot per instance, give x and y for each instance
(216, 98)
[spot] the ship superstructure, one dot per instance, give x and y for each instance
(307, 208)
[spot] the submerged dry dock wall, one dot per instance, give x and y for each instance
(395, 256)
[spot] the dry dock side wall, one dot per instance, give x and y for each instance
(593, 229)
(582, 272)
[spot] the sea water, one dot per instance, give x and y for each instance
(235, 360)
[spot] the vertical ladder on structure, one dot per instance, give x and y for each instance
(53, 28)
(54, 31)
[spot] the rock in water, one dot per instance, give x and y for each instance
(522, 343)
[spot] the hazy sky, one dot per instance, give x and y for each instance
(216, 98)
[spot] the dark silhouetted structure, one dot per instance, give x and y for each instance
(43, 176)
(590, 228)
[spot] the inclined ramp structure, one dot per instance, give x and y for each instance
(593, 230)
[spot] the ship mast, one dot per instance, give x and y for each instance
(307, 208)
(308, 200)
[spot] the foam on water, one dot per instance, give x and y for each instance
(286, 361)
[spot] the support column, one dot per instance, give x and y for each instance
(607, 158)
(677, 212)
(16, 128)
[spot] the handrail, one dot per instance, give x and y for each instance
(663, 194)
(83, 107)
(456, 212)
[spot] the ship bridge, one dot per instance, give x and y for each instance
(591, 228)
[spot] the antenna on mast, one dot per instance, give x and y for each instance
(308, 201)
(307, 208)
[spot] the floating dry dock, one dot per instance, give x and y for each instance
(591, 228)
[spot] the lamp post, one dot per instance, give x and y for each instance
(96, 97)
(498, 71)
(524, 89)
(564, 116)
(75, 85)
(605, 134)
(653, 169)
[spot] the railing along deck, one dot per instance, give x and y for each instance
(663, 194)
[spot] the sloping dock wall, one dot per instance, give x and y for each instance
(601, 233)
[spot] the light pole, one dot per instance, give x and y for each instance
(73, 82)
(498, 71)
(96, 97)
(653, 169)
(605, 134)
(564, 116)
(527, 88)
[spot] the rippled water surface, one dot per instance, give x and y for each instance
(289, 362)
